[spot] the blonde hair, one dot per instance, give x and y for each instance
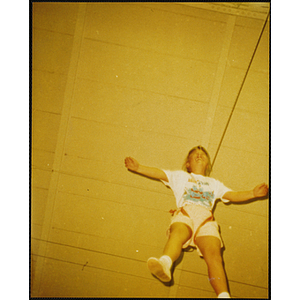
(209, 167)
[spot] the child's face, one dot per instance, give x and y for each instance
(198, 162)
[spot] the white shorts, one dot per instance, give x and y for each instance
(199, 220)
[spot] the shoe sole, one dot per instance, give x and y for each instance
(158, 270)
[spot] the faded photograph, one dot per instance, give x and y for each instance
(150, 149)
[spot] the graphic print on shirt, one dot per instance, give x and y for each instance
(195, 193)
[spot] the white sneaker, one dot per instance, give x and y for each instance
(158, 269)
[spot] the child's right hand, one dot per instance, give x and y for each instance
(131, 164)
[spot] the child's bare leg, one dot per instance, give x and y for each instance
(179, 235)
(161, 268)
(210, 247)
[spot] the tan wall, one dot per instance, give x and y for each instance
(150, 81)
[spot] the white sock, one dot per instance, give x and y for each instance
(224, 295)
(166, 260)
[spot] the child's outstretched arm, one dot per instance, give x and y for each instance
(133, 165)
(260, 190)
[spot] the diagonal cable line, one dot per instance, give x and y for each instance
(242, 85)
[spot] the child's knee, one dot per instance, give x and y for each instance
(212, 256)
(180, 230)
(210, 247)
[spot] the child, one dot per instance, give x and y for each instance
(192, 224)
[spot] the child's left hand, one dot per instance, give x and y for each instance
(261, 190)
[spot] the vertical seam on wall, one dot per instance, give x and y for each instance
(218, 81)
(60, 145)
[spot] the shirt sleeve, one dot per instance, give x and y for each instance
(177, 181)
(222, 190)
(174, 177)
(168, 176)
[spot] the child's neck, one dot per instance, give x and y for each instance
(198, 172)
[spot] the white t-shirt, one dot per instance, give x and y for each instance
(190, 188)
